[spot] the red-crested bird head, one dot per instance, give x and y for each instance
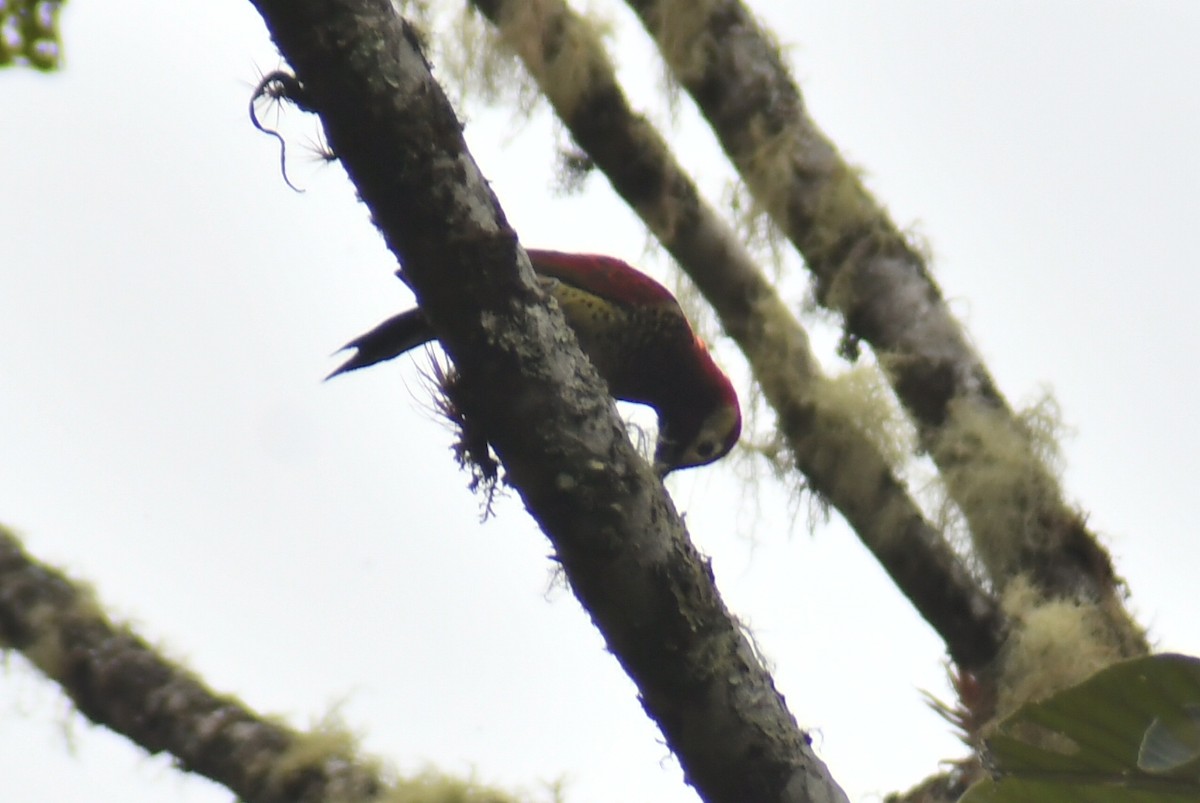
(703, 426)
(639, 339)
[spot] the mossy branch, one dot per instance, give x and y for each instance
(830, 443)
(865, 269)
(545, 411)
(118, 681)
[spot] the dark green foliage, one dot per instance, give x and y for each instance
(1129, 734)
(29, 34)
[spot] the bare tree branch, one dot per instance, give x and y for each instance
(865, 268)
(620, 541)
(568, 62)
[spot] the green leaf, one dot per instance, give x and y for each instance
(1128, 734)
(29, 33)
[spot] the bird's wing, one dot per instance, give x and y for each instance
(603, 276)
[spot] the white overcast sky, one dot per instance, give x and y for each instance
(168, 306)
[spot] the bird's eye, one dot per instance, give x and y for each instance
(705, 449)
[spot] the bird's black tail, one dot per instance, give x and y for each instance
(386, 341)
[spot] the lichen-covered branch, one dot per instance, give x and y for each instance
(830, 446)
(117, 680)
(865, 269)
(543, 408)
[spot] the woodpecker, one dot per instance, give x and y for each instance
(634, 332)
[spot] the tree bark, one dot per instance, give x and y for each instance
(542, 406)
